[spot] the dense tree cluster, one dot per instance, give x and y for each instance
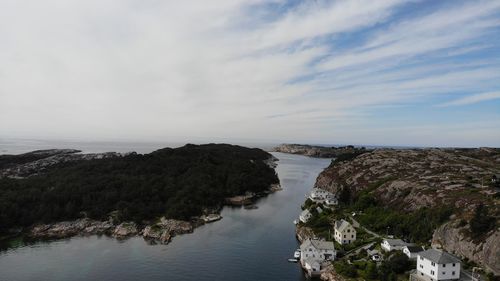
(482, 222)
(178, 183)
(416, 226)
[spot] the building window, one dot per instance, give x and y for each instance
(421, 258)
(421, 266)
(344, 235)
(453, 273)
(444, 265)
(444, 272)
(432, 272)
(348, 230)
(433, 263)
(352, 236)
(453, 265)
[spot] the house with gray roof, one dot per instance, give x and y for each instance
(436, 265)
(305, 216)
(313, 252)
(412, 251)
(393, 244)
(344, 232)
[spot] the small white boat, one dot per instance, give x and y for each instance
(296, 254)
(292, 260)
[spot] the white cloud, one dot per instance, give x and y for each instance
(473, 99)
(227, 68)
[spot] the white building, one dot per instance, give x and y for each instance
(319, 195)
(412, 251)
(344, 232)
(393, 244)
(313, 252)
(331, 201)
(305, 216)
(434, 265)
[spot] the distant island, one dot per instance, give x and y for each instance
(343, 152)
(60, 193)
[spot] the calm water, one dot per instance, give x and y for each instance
(245, 245)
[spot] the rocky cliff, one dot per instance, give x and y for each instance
(410, 179)
(454, 239)
(319, 151)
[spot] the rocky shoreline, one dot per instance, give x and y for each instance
(161, 231)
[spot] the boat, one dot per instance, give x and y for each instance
(296, 254)
(293, 260)
(295, 222)
(211, 218)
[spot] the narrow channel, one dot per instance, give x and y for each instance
(245, 245)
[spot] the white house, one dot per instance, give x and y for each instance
(311, 265)
(434, 265)
(393, 244)
(412, 251)
(344, 232)
(305, 216)
(319, 195)
(331, 200)
(317, 249)
(313, 252)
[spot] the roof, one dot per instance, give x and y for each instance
(439, 256)
(414, 249)
(312, 262)
(318, 244)
(341, 225)
(305, 213)
(396, 242)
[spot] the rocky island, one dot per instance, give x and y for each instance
(320, 151)
(62, 193)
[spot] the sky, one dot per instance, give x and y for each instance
(385, 72)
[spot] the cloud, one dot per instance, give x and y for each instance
(272, 70)
(473, 99)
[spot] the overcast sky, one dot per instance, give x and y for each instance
(384, 72)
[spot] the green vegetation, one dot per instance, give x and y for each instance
(178, 183)
(481, 223)
(345, 269)
(416, 226)
(320, 223)
(388, 270)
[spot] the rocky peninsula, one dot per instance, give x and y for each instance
(320, 151)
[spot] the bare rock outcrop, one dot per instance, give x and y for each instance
(71, 228)
(164, 230)
(36, 162)
(454, 239)
(125, 229)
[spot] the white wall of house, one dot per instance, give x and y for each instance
(312, 252)
(386, 246)
(437, 271)
(304, 217)
(346, 236)
(409, 254)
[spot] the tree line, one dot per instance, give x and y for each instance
(178, 183)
